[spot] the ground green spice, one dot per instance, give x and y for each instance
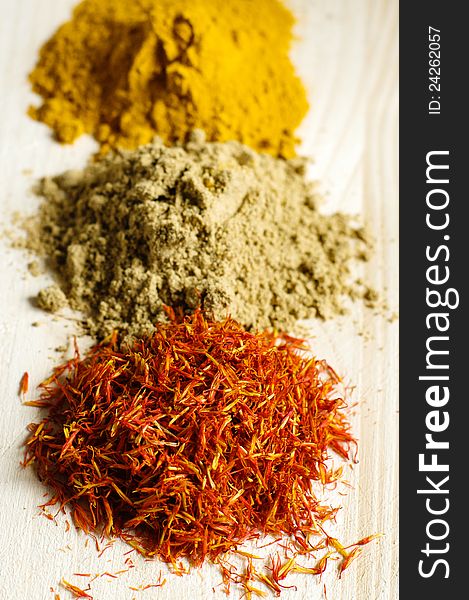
(214, 224)
(51, 299)
(34, 268)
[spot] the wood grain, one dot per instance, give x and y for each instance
(347, 54)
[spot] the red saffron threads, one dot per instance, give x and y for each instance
(143, 588)
(76, 591)
(193, 440)
(24, 384)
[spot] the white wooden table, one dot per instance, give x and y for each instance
(348, 58)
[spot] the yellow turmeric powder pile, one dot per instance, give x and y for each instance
(126, 71)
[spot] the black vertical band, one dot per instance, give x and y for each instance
(434, 324)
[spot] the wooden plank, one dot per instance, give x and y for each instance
(347, 56)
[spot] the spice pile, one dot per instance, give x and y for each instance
(205, 223)
(125, 71)
(187, 436)
(193, 440)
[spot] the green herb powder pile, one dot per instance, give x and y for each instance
(210, 224)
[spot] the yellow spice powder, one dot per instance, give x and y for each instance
(125, 71)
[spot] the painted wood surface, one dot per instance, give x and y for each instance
(347, 54)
